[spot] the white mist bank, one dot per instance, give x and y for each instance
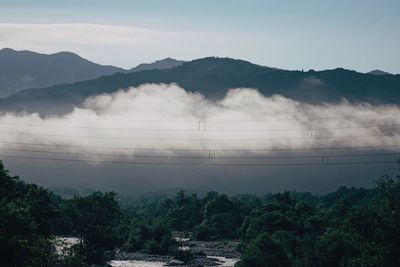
(222, 145)
(168, 117)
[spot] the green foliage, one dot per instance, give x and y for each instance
(94, 218)
(221, 218)
(26, 211)
(149, 237)
(203, 232)
(31, 216)
(349, 227)
(186, 212)
(263, 251)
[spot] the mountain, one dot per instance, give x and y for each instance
(213, 77)
(162, 64)
(25, 69)
(379, 72)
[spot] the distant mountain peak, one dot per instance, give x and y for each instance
(27, 69)
(378, 72)
(65, 53)
(7, 50)
(165, 63)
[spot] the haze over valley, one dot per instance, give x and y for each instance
(203, 124)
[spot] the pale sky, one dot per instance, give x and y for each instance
(355, 34)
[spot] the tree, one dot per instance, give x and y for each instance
(264, 252)
(26, 210)
(94, 219)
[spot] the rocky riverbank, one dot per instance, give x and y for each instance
(218, 253)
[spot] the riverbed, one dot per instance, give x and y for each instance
(211, 253)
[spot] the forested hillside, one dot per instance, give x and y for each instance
(350, 227)
(212, 77)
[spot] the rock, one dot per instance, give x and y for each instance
(200, 253)
(174, 262)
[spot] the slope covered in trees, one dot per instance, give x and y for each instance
(213, 77)
(349, 227)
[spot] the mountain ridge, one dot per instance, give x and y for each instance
(212, 77)
(379, 72)
(165, 63)
(27, 69)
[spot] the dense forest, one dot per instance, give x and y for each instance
(349, 227)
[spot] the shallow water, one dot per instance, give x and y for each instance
(225, 262)
(128, 263)
(65, 242)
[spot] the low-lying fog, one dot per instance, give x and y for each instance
(161, 136)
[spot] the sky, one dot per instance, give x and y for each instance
(360, 34)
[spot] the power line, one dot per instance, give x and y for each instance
(196, 120)
(202, 164)
(197, 139)
(199, 157)
(204, 149)
(304, 118)
(197, 130)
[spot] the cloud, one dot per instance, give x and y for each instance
(165, 125)
(48, 35)
(168, 117)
